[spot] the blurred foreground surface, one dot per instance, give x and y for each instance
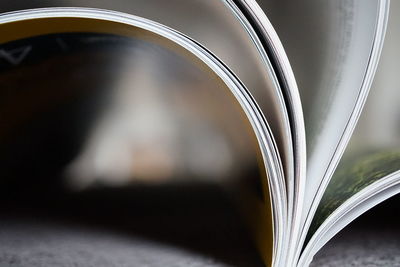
(165, 226)
(171, 225)
(371, 240)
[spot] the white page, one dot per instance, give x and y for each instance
(329, 46)
(261, 31)
(353, 208)
(376, 140)
(378, 129)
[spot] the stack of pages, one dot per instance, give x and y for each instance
(283, 103)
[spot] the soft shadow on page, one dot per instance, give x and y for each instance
(328, 44)
(116, 138)
(374, 149)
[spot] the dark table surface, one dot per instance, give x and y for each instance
(166, 226)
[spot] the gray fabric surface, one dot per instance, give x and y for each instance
(184, 227)
(158, 226)
(34, 244)
(27, 243)
(361, 247)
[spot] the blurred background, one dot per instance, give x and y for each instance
(107, 110)
(109, 137)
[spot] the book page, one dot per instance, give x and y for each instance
(328, 44)
(374, 148)
(83, 107)
(214, 26)
(365, 199)
(355, 173)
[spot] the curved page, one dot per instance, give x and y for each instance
(263, 34)
(351, 209)
(95, 98)
(329, 45)
(374, 149)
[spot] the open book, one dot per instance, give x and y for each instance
(267, 98)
